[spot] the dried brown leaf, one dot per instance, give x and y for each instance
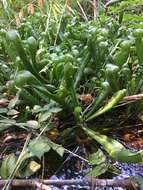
(30, 8)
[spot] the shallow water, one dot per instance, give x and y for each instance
(68, 171)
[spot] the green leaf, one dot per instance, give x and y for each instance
(114, 101)
(112, 169)
(39, 146)
(51, 107)
(13, 101)
(12, 112)
(115, 149)
(77, 113)
(59, 149)
(3, 110)
(4, 126)
(6, 123)
(25, 156)
(97, 158)
(55, 109)
(8, 166)
(45, 94)
(44, 116)
(56, 147)
(98, 170)
(10, 162)
(32, 124)
(47, 111)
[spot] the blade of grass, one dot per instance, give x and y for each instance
(18, 163)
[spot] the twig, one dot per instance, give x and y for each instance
(41, 186)
(124, 103)
(59, 24)
(87, 181)
(95, 9)
(111, 2)
(75, 155)
(17, 165)
(133, 97)
(130, 99)
(82, 10)
(68, 157)
(126, 100)
(13, 20)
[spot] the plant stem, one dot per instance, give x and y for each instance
(88, 181)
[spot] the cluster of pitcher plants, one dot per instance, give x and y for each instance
(55, 66)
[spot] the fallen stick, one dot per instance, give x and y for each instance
(130, 99)
(87, 181)
(133, 97)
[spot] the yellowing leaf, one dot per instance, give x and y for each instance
(30, 168)
(34, 166)
(114, 101)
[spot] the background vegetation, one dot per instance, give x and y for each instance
(69, 72)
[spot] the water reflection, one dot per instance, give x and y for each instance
(69, 171)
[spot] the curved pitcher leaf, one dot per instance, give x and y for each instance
(115, 149)
(114, 101)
